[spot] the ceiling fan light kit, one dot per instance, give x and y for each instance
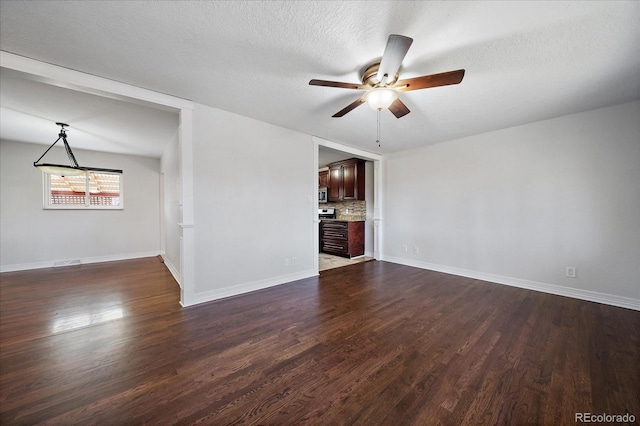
(380, 80)
(73, 169)
(380, 98)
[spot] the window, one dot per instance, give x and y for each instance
(92, 190)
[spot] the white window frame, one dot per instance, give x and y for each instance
(46, 185)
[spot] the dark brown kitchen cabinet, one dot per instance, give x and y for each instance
(342, 238)
(334, 189)
(346, 180)
(323, 179)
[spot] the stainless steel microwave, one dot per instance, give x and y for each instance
(322, 195)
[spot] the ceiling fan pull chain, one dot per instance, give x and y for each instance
(378, 140)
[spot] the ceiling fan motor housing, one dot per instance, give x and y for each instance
(370, 76)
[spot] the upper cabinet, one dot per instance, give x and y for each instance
(323, 179)
(346, 180)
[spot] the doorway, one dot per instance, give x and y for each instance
(368, 210)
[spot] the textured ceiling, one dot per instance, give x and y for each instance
(525, 61)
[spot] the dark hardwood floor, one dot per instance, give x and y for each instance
(373, 344)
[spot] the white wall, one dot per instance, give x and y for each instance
(170, 167)
(254, 204)
(32, 237)
(519, 205)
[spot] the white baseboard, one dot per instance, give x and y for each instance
(26, 266)
(173, 270)
(222, 293)
(86, 260)
(591, 296)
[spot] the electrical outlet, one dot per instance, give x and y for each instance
(286, 261)
(294, 260)
(405, 248)
(416, 250)
(570, 272)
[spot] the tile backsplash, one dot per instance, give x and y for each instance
(357, 210)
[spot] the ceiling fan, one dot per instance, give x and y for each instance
(381, 84)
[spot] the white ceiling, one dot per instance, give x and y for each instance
(29, 110)
(525, 61)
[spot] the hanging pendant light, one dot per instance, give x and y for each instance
(73, 169)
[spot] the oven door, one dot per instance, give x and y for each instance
(322, 195)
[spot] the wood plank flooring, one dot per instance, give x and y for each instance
(373, 343)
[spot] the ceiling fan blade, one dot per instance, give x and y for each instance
(398, 108)
(426, 81)
(338, 84)
(394, 53)
(349, 107)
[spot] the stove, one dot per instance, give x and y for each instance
(327, 213)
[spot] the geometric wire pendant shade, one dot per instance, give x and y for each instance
(73, 169)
